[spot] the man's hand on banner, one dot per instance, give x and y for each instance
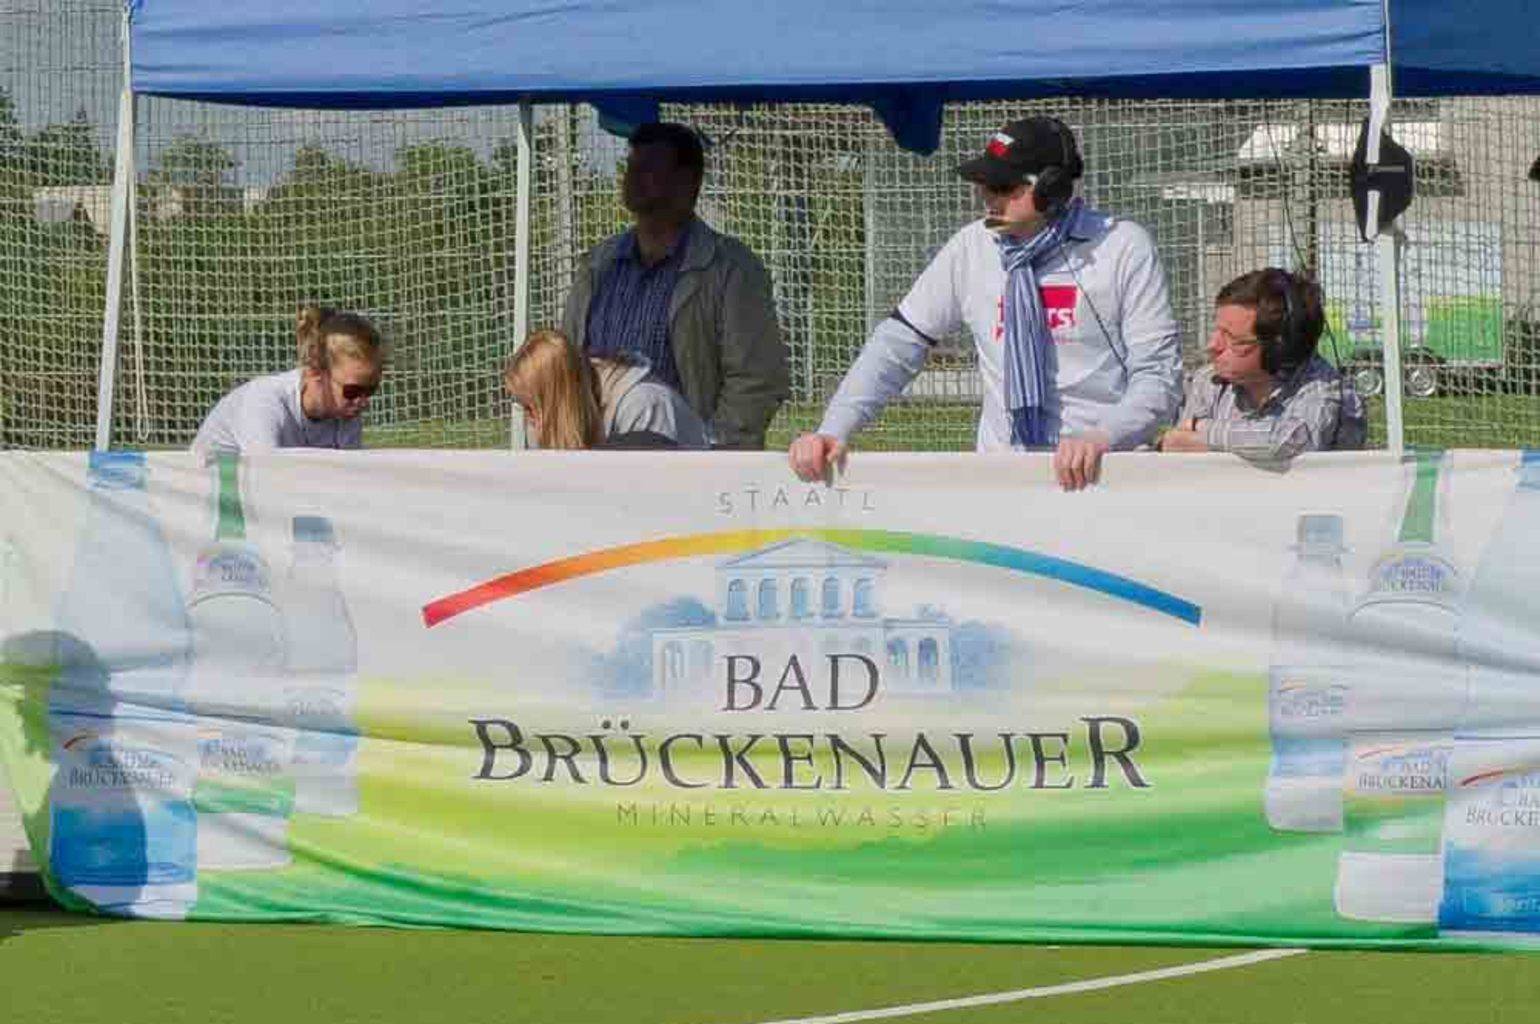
(1077, 462)
(816, 457)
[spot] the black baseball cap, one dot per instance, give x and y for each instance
(1021, 148)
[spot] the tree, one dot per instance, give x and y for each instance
(455, 285)
(14, 200)
(983, 656)
(326, 177)
(67, 154)
(11, 139)
(627, 671)
(196, 176)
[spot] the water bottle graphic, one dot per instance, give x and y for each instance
(10, 591)
(1492, 819)
(1404, 699)
(1307, 684)
(8, 586)
(122, 830)
(319, 693)
(245, 791)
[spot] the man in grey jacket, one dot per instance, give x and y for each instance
(1078, 352)
(695, 303)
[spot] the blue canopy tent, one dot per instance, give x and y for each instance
(905, 58)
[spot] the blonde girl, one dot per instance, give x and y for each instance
(571, 400)
(315, 405)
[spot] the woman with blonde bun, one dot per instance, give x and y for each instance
(572, 400)
(315, 405)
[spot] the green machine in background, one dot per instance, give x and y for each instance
(1453, 315)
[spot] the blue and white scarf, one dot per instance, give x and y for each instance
(1027, 339)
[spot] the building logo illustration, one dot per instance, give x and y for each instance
(813, 604)
(804, 601)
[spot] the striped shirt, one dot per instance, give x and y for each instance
(1314, 410)
(629, 311)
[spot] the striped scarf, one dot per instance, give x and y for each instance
(1027, 340)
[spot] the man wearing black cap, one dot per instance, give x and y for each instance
(1078, 352)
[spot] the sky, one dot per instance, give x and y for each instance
(58, 56)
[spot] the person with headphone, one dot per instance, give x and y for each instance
(1078, 351)
(1265, 394)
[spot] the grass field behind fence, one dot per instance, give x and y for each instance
(1453, 421)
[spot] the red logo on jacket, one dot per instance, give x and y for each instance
(1058, 309)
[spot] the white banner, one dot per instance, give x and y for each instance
(686, 693)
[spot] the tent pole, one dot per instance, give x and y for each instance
(122, 196)
(526, 144)
(141, 386)
(566, 206)
(1387, 251)
(870, 316)
(1202, 258)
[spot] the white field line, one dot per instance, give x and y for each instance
(1222, 963)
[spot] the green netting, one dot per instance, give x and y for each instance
(408, 217)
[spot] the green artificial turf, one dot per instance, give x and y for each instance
(58, 967)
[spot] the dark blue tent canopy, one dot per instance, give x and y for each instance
(904, 57)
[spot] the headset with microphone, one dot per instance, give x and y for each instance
(1055, 183)
(1290, 352)
(1287, 354)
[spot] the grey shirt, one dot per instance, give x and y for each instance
(1116, 358)
(265, 413)
(1313, 409)
(632, 398)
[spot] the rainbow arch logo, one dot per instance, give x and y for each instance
(731, 542)
(80, 739)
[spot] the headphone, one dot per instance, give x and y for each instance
(1291, 350)
(1056, 183)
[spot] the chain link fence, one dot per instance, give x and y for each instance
(408, 217)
